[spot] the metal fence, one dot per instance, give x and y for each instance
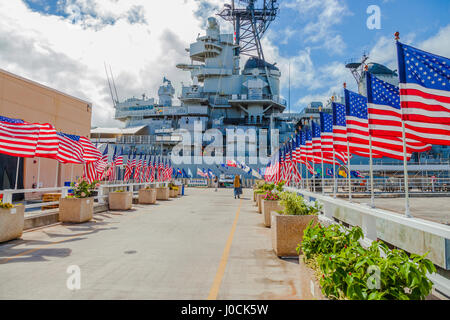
(390, 185)
(99, 194)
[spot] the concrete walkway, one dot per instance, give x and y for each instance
(204, 245)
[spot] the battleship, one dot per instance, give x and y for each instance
(224, 96)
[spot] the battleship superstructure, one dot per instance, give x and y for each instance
(221, 95)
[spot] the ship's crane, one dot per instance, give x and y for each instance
(251, 19)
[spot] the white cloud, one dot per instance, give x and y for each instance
(321, 17)
(142, 40)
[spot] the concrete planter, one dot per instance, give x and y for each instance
(162, 193)
(179, 191)
(75, 210)
(309, 285)
(120, 200)
(11, 223)
(147, 196)
(173, 193)
(287, 233)
(259, 202)
(254, 195)
(267, 208)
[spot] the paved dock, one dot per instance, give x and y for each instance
(206, 245)
(436, 209)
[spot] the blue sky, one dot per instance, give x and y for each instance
(143, 41)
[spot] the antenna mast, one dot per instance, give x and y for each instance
(114, 83)
(251, 20)
(109, 84)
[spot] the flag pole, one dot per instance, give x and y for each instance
(334, 174)
(405, 160)
(301, 175)
(56, 178)
(17, 172)
(39, 173)
(405, 170)
(314, 177)
(372, 191)
(349, 174)
(71, 174)
(323, 178)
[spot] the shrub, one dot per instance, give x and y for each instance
(280, 186)
(295, 205)
(6, 206)
(320, 240)
(83, 189)
(270, 196)
(346, 268)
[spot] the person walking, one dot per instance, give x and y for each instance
(216, 183)
(237, 187)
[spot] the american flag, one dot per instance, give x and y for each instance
(339, 127)
(424, 94)
(137, 171)
(152, 170)
(70, 149)
(149, 169)
(129, 167)
(326, 133)
(18, 138)
(105, 154)
(296, 149)
(385, 118)
(90, 152)
(316, 142)
(48, 142)
(160, 170)
(118, 161)
(90, 172)
(309, 146)
(358, 131)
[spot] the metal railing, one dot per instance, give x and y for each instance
(388, 186)
(99, 196)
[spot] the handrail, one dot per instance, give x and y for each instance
(8, 193)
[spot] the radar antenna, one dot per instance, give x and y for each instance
(250, 19)
(357, 68)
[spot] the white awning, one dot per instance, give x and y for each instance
(131, 130)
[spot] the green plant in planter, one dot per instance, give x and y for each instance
(270, 196)
(401, 277)
(345, 268)
(6, 206)
(83, 189)
(324, 240)
(295, 205)
(172, 186)
(279, 186)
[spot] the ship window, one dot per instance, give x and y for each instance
(252, 118)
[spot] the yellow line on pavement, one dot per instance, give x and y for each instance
(223, 261)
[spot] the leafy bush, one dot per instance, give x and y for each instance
(270, 196)
(83, 189)
(172, 186)
(320, 240)
(119, 191)
(280, 186)
(295, 205)
(6, 206)
(347, 268)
